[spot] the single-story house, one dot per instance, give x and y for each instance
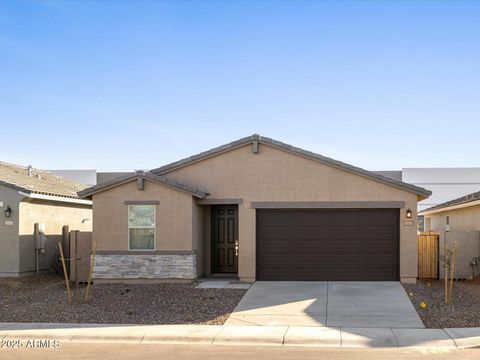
(30, 196)
(458, 220)
(258, 209)
(461, 214)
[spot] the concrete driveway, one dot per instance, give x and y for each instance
(335, 304)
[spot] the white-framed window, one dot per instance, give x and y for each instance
(141, 227)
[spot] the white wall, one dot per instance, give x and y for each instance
(445, 183)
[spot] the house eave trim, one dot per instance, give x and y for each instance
(328, 205)
(219, 201)
(55, 198)
(453, 207)
(142, 202)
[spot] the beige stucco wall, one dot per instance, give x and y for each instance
(276, 175)
(464, 227)
(54, 215)
(174, 217)
(9, 258)
(464, 219)
(198, 217)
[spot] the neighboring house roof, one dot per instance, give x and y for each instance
(145, 175)
(297, 151)
(463, 201)
(35, 181)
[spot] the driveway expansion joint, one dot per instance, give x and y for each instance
(326, 305)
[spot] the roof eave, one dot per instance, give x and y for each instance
(89, 192)
(436, 210)
(423, 193)
(56, 198)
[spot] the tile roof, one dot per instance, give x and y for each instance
(146, 175)
(295, 150)
(459, 201)
(40, 182)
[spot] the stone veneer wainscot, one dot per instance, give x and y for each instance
(145, 266)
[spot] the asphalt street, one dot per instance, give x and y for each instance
(202, 352)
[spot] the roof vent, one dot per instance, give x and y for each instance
(29, 170)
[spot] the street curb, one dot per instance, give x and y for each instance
(318, 336)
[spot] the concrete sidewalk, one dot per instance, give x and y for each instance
(246, 335)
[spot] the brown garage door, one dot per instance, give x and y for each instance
(328, 244)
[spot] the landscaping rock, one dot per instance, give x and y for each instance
(43, 299)
(428, 297)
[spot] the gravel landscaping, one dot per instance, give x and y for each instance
(464, 312)
(43, 299)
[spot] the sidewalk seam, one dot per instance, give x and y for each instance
(446, 332)
(218, 333)
(246, 322)
(341, 337)
(394, 338)
(285, 334)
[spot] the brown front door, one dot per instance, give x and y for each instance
(225, 239)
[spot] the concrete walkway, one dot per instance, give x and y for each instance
(246, 335)
(220, 283)
(333, 304)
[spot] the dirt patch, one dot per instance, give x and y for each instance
(464, 312)
(43, 299)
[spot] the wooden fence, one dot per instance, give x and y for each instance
(428, 255)
(80, 252)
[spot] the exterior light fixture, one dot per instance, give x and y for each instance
(8, 212)
(409, 214)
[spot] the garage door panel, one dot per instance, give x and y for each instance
(276, 258)
(328, 244)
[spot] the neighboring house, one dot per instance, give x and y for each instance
(29, 196)
(445, 183)
(458, 220)
(258, 209)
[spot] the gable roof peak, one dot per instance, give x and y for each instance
(424, 193)
(145, 175)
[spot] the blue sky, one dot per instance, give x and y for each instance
(128, 85)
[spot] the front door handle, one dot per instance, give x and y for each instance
(236, 248)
